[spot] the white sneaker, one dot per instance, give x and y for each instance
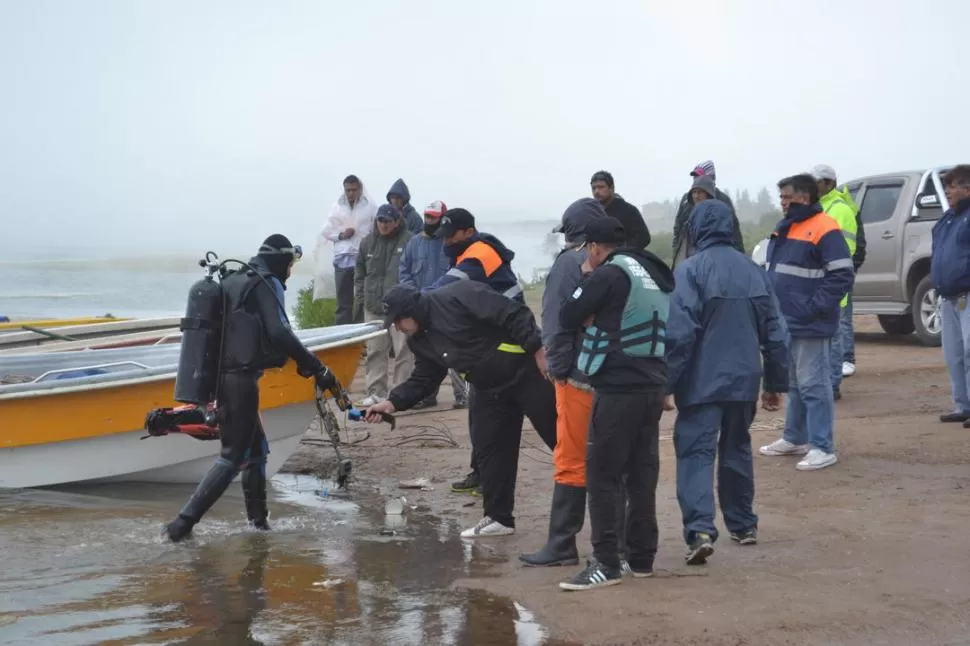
(783, 447)
(369, 401)
(848, 369)
(816, 459)
(487, 527)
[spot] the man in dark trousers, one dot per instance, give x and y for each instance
(258, 338)
(637, 234)
(468, 327)
(623, 305)
(724, 319)
(703, 188)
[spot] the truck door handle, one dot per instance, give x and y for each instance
(886, 235)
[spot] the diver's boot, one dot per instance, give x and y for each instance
(565, 521)
(254, 492)
(213, 485)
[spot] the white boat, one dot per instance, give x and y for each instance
(79, 416)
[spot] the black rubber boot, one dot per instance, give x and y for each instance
(213, 485)
(254, 492)
(565, 521)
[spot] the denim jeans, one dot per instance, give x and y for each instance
(836, 351)
(810, 414)
(956, 351)
(847, 330)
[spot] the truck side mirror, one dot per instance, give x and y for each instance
(930, 201)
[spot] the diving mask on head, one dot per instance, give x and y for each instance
(296, 251)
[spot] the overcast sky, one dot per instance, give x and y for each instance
(185, 124)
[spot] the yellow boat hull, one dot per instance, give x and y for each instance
(76, 434)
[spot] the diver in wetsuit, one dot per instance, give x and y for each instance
(256, 336)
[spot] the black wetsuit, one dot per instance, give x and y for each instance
(257, 336)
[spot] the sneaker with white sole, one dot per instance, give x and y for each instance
(783, 447)
(816, 459)
(848, 369)
(487, 527)
(369, 401)
(595, 575)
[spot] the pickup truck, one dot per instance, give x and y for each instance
(898, 211)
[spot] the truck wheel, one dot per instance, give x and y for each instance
(926, 314)
(896, 325)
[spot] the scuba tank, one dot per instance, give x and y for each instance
(199, 357)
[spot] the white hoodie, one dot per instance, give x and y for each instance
(344, 254)
(360, 218)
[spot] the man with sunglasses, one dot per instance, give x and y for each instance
(257, 336)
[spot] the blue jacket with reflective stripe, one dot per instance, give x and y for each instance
(810, 270)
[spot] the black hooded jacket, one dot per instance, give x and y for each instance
(637, 233)
(462, 326)
(603, 295)
(683, 217)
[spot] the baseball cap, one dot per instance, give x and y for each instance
(704, 168)
(606, 230)
(398, 303)
(436, 209)
(455, 220)
(387, 212)
(576, 216)
(823, 171)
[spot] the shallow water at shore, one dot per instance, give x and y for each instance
(87, 565)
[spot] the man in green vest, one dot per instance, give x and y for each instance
(841, 208)
(622, 303)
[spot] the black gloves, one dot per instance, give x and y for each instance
(325, 379)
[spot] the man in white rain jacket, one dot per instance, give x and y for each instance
(351, 219)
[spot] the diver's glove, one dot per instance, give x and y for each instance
(325, 379)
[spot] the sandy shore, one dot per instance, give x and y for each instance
(866, 552)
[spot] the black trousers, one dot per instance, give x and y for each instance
(624, 442)
(242, 436)
(498, 415)
(346, 313)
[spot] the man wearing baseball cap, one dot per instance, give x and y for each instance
(620, 311)
(478, 257)
(704, 187)
(843, 209)
(468, 327)
(422, 264)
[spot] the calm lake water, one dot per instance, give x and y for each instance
(87, 565)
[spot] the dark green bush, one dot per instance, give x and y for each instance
(310, 313)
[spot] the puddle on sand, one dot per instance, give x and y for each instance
(88, 566)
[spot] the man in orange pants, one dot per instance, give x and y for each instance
(574, 396)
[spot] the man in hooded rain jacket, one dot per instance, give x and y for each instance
(724, 319)
(702, 189)
(400, 198)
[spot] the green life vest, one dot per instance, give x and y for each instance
(643, 328)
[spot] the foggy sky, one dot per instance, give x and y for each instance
(170, 125)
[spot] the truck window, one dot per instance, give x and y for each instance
(854, 191)
(879, 202)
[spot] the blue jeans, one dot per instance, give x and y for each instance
(810, 414)
(956, 351)
(702, 433)
(836, 351)
(847, 330)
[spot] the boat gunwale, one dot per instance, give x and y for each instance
(153, 374)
